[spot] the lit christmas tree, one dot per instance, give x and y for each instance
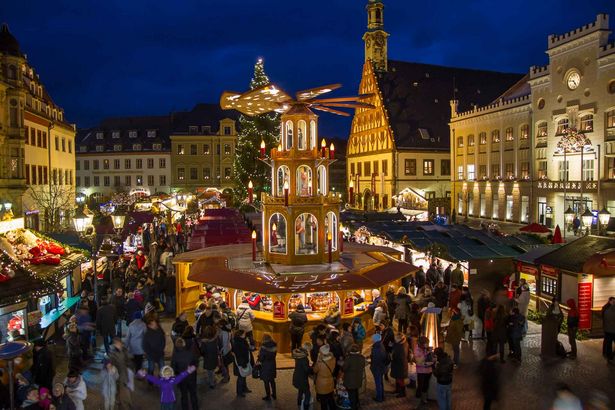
(252, 131)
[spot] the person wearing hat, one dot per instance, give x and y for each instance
(75, 389)
(379, 361)
(324, 380)
(298, 319)
(60, 399)
(301, 374)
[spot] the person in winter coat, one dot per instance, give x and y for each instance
(75, 389)
(380, 313)
(399, 364)
(346, 337)
(489, 380)
(298, 319)
(243, 358)
(134, 339)
(358, 332)
(245, 317)
(515, 326)
(424, 362)
(402, 309)
(226, 354)
(318, 336)
(443, 372)
(379, 359)
(483, 303)
(499, 334)
(43, 369)
(166, 383)
(440, 294)
(376, 299)
(154, 341)
(467, 315)
(448, 272)
(432, 275)
(333, 316)
(266, 358)
(131, 307)
(572, 322)
(32, 399)
(210, 352)
(182, 358)
(551, 326)
(420, 278)
(390, 300)
(106, 318)
(73, 347)
(353, 368)
(301, 374)
(608, 324)
(522, 297)
(457, 278)
(180, 324)
(121, 360)
(454, 334)
(108, 387)
(60, 399)
(324, 380)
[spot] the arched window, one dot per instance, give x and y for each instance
(562, 125)
(306, 234)
(524, 132)
(471, 140)
(321, 174)
(313, 138)
(14, 114)
(289, 135)
(277, 232)
(283, 176)
(304, 181)
(301, 135)
(587, 123)
(541, 129)
(333, 228)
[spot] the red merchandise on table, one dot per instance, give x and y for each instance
(45, 260)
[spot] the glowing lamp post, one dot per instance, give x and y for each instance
(80, 221)
(351, 192)
(286, 193)
(323, 148)
(604, 217)
(118, 221)
(587, 218)
(263, 149)
(329, 244)
(332, 151)
(253, 245)
(250, 192)
(340, 240)
(568, 218)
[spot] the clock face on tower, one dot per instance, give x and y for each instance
(573, 80)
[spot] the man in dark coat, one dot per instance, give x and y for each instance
(399, 364)
(182, 358)
(354, 366)
(432, 275)
(154, 341)
(266, 357)
(301, 375)
(243, 357)
(443, 372)
(122, 360)
(447, 274)
(490, 380)
(106, 317)
(298, 319)
(43, 370)
(169, 290)
(379, 361)
(420, 278)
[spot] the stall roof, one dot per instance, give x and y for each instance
(601, 263)
(23, 285)
(531, 255)
(573, 255)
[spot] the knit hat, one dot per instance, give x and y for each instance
(376, 337)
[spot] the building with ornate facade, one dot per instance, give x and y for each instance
(37, 158)
(398, 152)
(547, 143)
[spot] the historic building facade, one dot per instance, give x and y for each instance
(398, 152)
(546, 144)
(36, 143)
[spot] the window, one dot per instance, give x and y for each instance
(306, 234)
(117, 147)
(283, 176)
(150, 163)
(588, 170)
(217, 149)
(495, 136)
(482, 171)
(163, 180)
(304, 180)
(360, 169)
(117, 180)
(193, 173)
(525, 170)
(301, 135)
(524, 132)
(205, 149)
(508, 134)
(375, 166)
(206, 173)
(495, 206)
(367, 168)
(548, 285)
(86, 165)
(227, 173)
(86, 182)
(495, 170)
(100, 148)
(34, 175)
(139, 163)
(107, 180)
(78, 181)
(409, 166)
(45, 171)
(321, 178)
(39, 138)
(181, 173)
(139, 180)
(542, 169)
(70, 147)
(541, 129)
(57, 143)
(227, 149)
(227, 130)
(525, 209)
(105, 164)
(563, 170)
(587, 123)
(63, 144)
(115, 134)
(471, 173)
(128, 180)
(136, 147)
(471, 141)
(509, 207)
(27, 167)
(150, 180)
(132, 134)
(192, 149)
(277, 228)
(482, 137)
(385, 167)
(127, 163)
(352, 169)
(96, 178)
(156, 147)
(445, 167)
(459, 142)
(151, 133)
(193, 129)
(78, 165)
(32, 136)
(510, 170)
(99, 135)
(460, 172)
(180, 149)
(44, 139)
(562, 125)
(206, 129)
(116, 164)
(162, 163)
(610, 119)
(428, 168)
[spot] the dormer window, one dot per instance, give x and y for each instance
(136, 147)
(100, 135)
(151, 133)
(227, 130)
(132, 134)
(117, 147)
(100, 148)
(83, 148)
(115, 134)
(193, 129)
(157, 147)
(206, 129)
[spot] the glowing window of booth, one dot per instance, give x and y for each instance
(321, 174)
(333, 228)
(277, 234)
(306, 234)
(313, 138)
(304, 181)
(302, 135)
(283, 176)
(289, 135)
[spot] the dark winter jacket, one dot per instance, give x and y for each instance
(440, 294)
(154, 341)
(121, 359)
(210, 351)
(178, 327)
(106, 317)
(354, 366)
(443, 370)
(64, 403)
(241, 350)
(402, 309)
(131, 307)
(182, 358)
(302, 369)
(298, 319)
(266, 357)
(399, 362)
(420, 279)
(335, 319)
(378, 358)
(43, 369)
(515, 326)
(390, 298)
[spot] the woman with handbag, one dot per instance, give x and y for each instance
(266, 360)
(242, 363)
(324, 380)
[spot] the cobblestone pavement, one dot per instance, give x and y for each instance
(528, 385)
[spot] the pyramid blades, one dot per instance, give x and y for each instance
(331, 110)
(315, 92)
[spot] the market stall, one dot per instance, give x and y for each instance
(527, 268)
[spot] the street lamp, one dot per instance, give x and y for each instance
(118, 221)
(604, 217)
(80, 221)
(587, 218)
(568, 218)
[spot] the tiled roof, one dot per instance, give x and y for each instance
(573, 255)
(416, 97)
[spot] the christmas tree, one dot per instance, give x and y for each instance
(252, 131)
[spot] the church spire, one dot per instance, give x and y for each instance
(375, 37)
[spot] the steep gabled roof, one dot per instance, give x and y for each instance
(416, 97)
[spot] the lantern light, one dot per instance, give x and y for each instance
(587, 218)
(80, 221)
(8, 206)
(604, 216)
(250, 185)
(331, 151)
(262, 148)
(253, 234)
(569, 215)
